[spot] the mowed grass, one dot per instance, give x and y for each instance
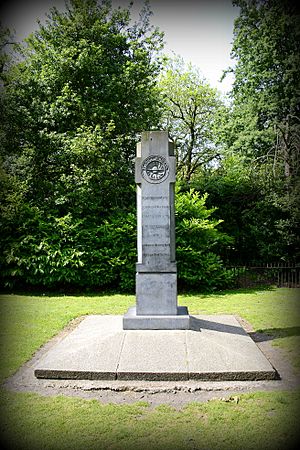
(27, 322)
(266, 420)
(257, 421)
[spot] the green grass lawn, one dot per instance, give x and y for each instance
(260, 420)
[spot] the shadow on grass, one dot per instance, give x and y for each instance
(274, 333)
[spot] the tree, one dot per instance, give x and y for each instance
(191, 109)
(74, 103)
(84, 89)
(249, 211)
(5, 41)
(264, 122)
(266, 88)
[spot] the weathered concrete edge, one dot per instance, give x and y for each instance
(235, 376)
(153, 376)
(157, 376)
(74, 374)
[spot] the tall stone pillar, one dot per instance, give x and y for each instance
(156, 277)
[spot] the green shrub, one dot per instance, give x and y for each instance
(63, 252)
(198, 244)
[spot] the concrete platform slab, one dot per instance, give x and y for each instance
(91, 351)
(224, 351)
(215, 348)
(151, 355)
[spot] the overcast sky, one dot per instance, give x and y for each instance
(201, 31)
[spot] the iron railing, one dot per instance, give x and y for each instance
(282, 274)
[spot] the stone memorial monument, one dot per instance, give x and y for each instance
(213, 348)
(156, 277)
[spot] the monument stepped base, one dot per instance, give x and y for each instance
(181, 321)
(215, 348)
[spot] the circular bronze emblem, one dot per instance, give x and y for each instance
(155, 169)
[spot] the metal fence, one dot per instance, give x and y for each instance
(283, 274)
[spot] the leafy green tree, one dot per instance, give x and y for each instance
(74, 104)
(249, 210)
(266, 88)
(264, 123)
(191, 111)
(5, 41)
(83, 90)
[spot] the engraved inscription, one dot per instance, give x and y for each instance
(156, 226)
(151, 197)
(154, 216)
(156, 206)
(155, 169)
(156, 233)
(156, 245)
(156, 254)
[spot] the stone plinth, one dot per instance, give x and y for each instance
(156, 278)
(215, 348)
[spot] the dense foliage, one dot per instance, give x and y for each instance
(84, 88)
(74, 103)
(264, 125)
(250, 212)
(256, 186)
(192, 111)
(72, 254)
(199, 244)
(75, 99)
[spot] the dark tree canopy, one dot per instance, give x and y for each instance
(266, 90)
(74, 104)
(264, 124)
(75, 98)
